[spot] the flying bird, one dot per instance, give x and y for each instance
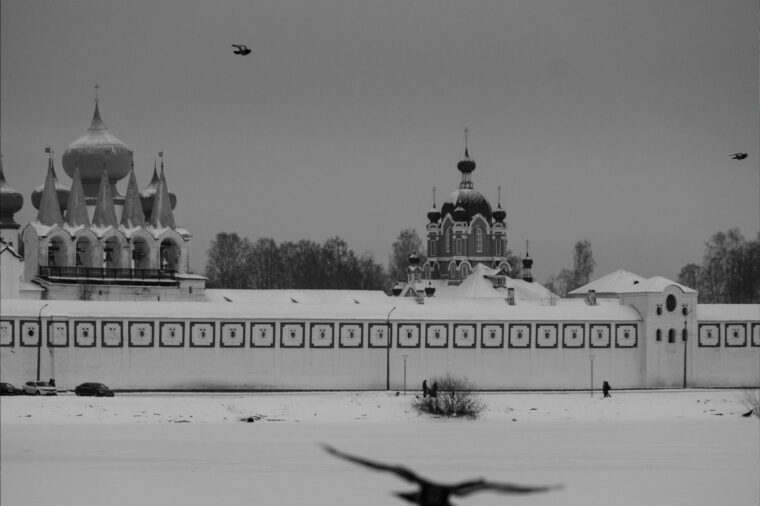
(739, 156)
(437, 494)
(242, 49)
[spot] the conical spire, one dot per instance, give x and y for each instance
(50, 210)
(162, 216)
(105, 213)
(63, 192)
(132, 215)
(76, 214)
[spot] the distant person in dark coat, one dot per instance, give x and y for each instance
(606, 389)
(425, 389)
(434, 390)
(51, 382)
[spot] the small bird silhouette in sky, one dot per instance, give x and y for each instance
(242, 49)
(437, 494)
(739, 156)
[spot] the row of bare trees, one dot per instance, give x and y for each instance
(236, 262)
(730, 270)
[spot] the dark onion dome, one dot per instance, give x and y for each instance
(470, 201)
(467, 165)
(430, 289)
(96, 148)
(148, 195)
(499, 214)
(396, 290)
(60, 189)
(11, 202)
(434, 215)
(527, 262)
(414, 259)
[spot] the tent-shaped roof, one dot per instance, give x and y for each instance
(622, 281)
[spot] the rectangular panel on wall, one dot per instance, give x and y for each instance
(171, 334)
(736, 335)
(292, 335)
(58, 333)
(755, 334)
(378, 335)
(573, 335)
(350, 335)
(84, 333)
(519, 335)
(7, 337)
(599, 335)
(709, 335)
(232, 334)
(436, 335)
(140, 334)
(492, 335)
(262, 334)
(464, 335)
(408, 335)
(321, 335)
(625, 335)
(202, 334)
(112, 334)
(546, 335)
(29, 333)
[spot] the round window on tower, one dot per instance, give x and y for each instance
(670, 302)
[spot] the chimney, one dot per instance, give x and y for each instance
(511, 296)
(591, 298)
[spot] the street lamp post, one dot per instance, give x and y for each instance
(404, 356)
(591, 356)
(39, 339)
(388, 349)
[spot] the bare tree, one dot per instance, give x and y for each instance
(226, 263)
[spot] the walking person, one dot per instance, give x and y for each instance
(425, 389)
(606, 389)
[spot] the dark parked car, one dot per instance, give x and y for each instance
(8, 389)
(96, 389)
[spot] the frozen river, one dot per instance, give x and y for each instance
(670, 448)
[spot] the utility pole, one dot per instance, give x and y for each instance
(389, 337)
(591, 356)
(39, 339)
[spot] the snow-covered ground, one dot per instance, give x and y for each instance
(664, 447)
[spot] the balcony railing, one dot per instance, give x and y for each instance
(95, 274)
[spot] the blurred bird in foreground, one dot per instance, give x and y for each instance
(739, 156)
(242, 49)
(436, 494)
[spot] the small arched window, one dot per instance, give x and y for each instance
(658, 335)
(672, 335)
(452, 271)
(479, 240)
(465, 271)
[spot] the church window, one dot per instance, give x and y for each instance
(448, 240)
(672, 336)
(459, 246)
(479, 240)
(452, 270)
(431, 248)
(498, 246)
(465, 270)
(658, 335)
(670, 302)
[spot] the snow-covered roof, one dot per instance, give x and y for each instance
(4, 246)
(297, 296)
(406, 309)
(622, 281)
(728, 312)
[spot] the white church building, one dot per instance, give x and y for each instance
(97, 288)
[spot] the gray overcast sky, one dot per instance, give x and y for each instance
(610, 120)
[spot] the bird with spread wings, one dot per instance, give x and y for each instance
(242, 49)
(437, 494)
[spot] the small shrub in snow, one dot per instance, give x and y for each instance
(751, 401)
(454, 398)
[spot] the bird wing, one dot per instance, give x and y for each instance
(470, 487)
(398, 470)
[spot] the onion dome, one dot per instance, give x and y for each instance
(434, 215)
(60, 189)
(429, 289)
(499, 214)
(527, 262)
(414, 259)
(148, 196)
(466, 165)
(397, 289)
(11, 202)
(464, 204)
(90, 152)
